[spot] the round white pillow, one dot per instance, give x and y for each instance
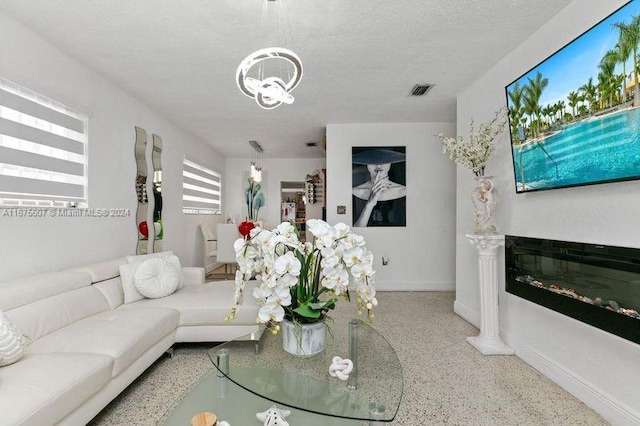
(11, 342)
(156, 277)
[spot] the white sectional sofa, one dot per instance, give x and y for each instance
(86, 345)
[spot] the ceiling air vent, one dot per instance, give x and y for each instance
(420, 89)
(311, 144)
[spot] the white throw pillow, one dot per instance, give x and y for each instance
(129, 290)
(138, 259)
(157, 277)
(11, 342)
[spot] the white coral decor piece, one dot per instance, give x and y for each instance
(11, 342)
(274, 416)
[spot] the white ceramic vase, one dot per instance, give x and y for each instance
(303, 340)
(484, 198)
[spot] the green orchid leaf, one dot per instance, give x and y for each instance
(328, 304)
(307, 311)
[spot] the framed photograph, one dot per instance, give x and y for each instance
(379, 192)
(574, 118)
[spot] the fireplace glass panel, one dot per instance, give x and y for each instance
(597, 284)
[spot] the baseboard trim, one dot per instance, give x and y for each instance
(607, 406)
(466, 314)
(416, 286)
(610, 408)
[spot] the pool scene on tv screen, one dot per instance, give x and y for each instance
(574, 118)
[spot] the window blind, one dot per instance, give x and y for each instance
(201, 189)
(43, 151)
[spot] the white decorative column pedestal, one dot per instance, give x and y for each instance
(488, 342)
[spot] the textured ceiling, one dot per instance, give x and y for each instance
(361, 58)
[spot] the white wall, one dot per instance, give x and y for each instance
(599, 368)
(32, 245)
(276, 170)
(421, 254)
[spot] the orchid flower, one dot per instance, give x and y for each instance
(303, 280)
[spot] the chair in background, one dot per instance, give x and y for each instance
(210, 251)
(227, 235)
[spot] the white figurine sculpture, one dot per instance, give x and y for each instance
(484, 202)
(340, 368)
(274, 416)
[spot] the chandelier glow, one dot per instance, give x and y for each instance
(269, 92)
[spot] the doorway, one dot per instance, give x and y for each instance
(293, 205)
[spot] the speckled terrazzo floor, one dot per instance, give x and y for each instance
(446, 381)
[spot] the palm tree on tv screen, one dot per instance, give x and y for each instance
(607, 76)
(572, 97)
(623, 49)
(516, 111)
(532, 94)
(589, 92)
(630, 34)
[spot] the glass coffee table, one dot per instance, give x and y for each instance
(251, 376)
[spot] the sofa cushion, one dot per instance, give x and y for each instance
(112, 291)
(101, 271)
(206, 304)
(40, 318)
(41, 389)
(192, 275)
(123, 335)
(30, 289)
(158, 277)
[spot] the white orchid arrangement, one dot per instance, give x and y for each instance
(474, 152)
(292, 276)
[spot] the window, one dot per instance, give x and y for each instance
(201, 189)
(43, 151)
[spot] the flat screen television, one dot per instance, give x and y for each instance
(574, 118)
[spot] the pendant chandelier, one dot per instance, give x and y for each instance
(256, 169)
(269, 75)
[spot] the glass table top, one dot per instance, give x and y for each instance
(305, 383)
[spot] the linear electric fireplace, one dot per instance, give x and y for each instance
(596, 284)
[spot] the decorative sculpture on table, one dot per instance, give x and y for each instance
(340, 368)
(274, 416)
(473, 154)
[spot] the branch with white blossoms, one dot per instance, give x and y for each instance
(303, 281)
(474, 152)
